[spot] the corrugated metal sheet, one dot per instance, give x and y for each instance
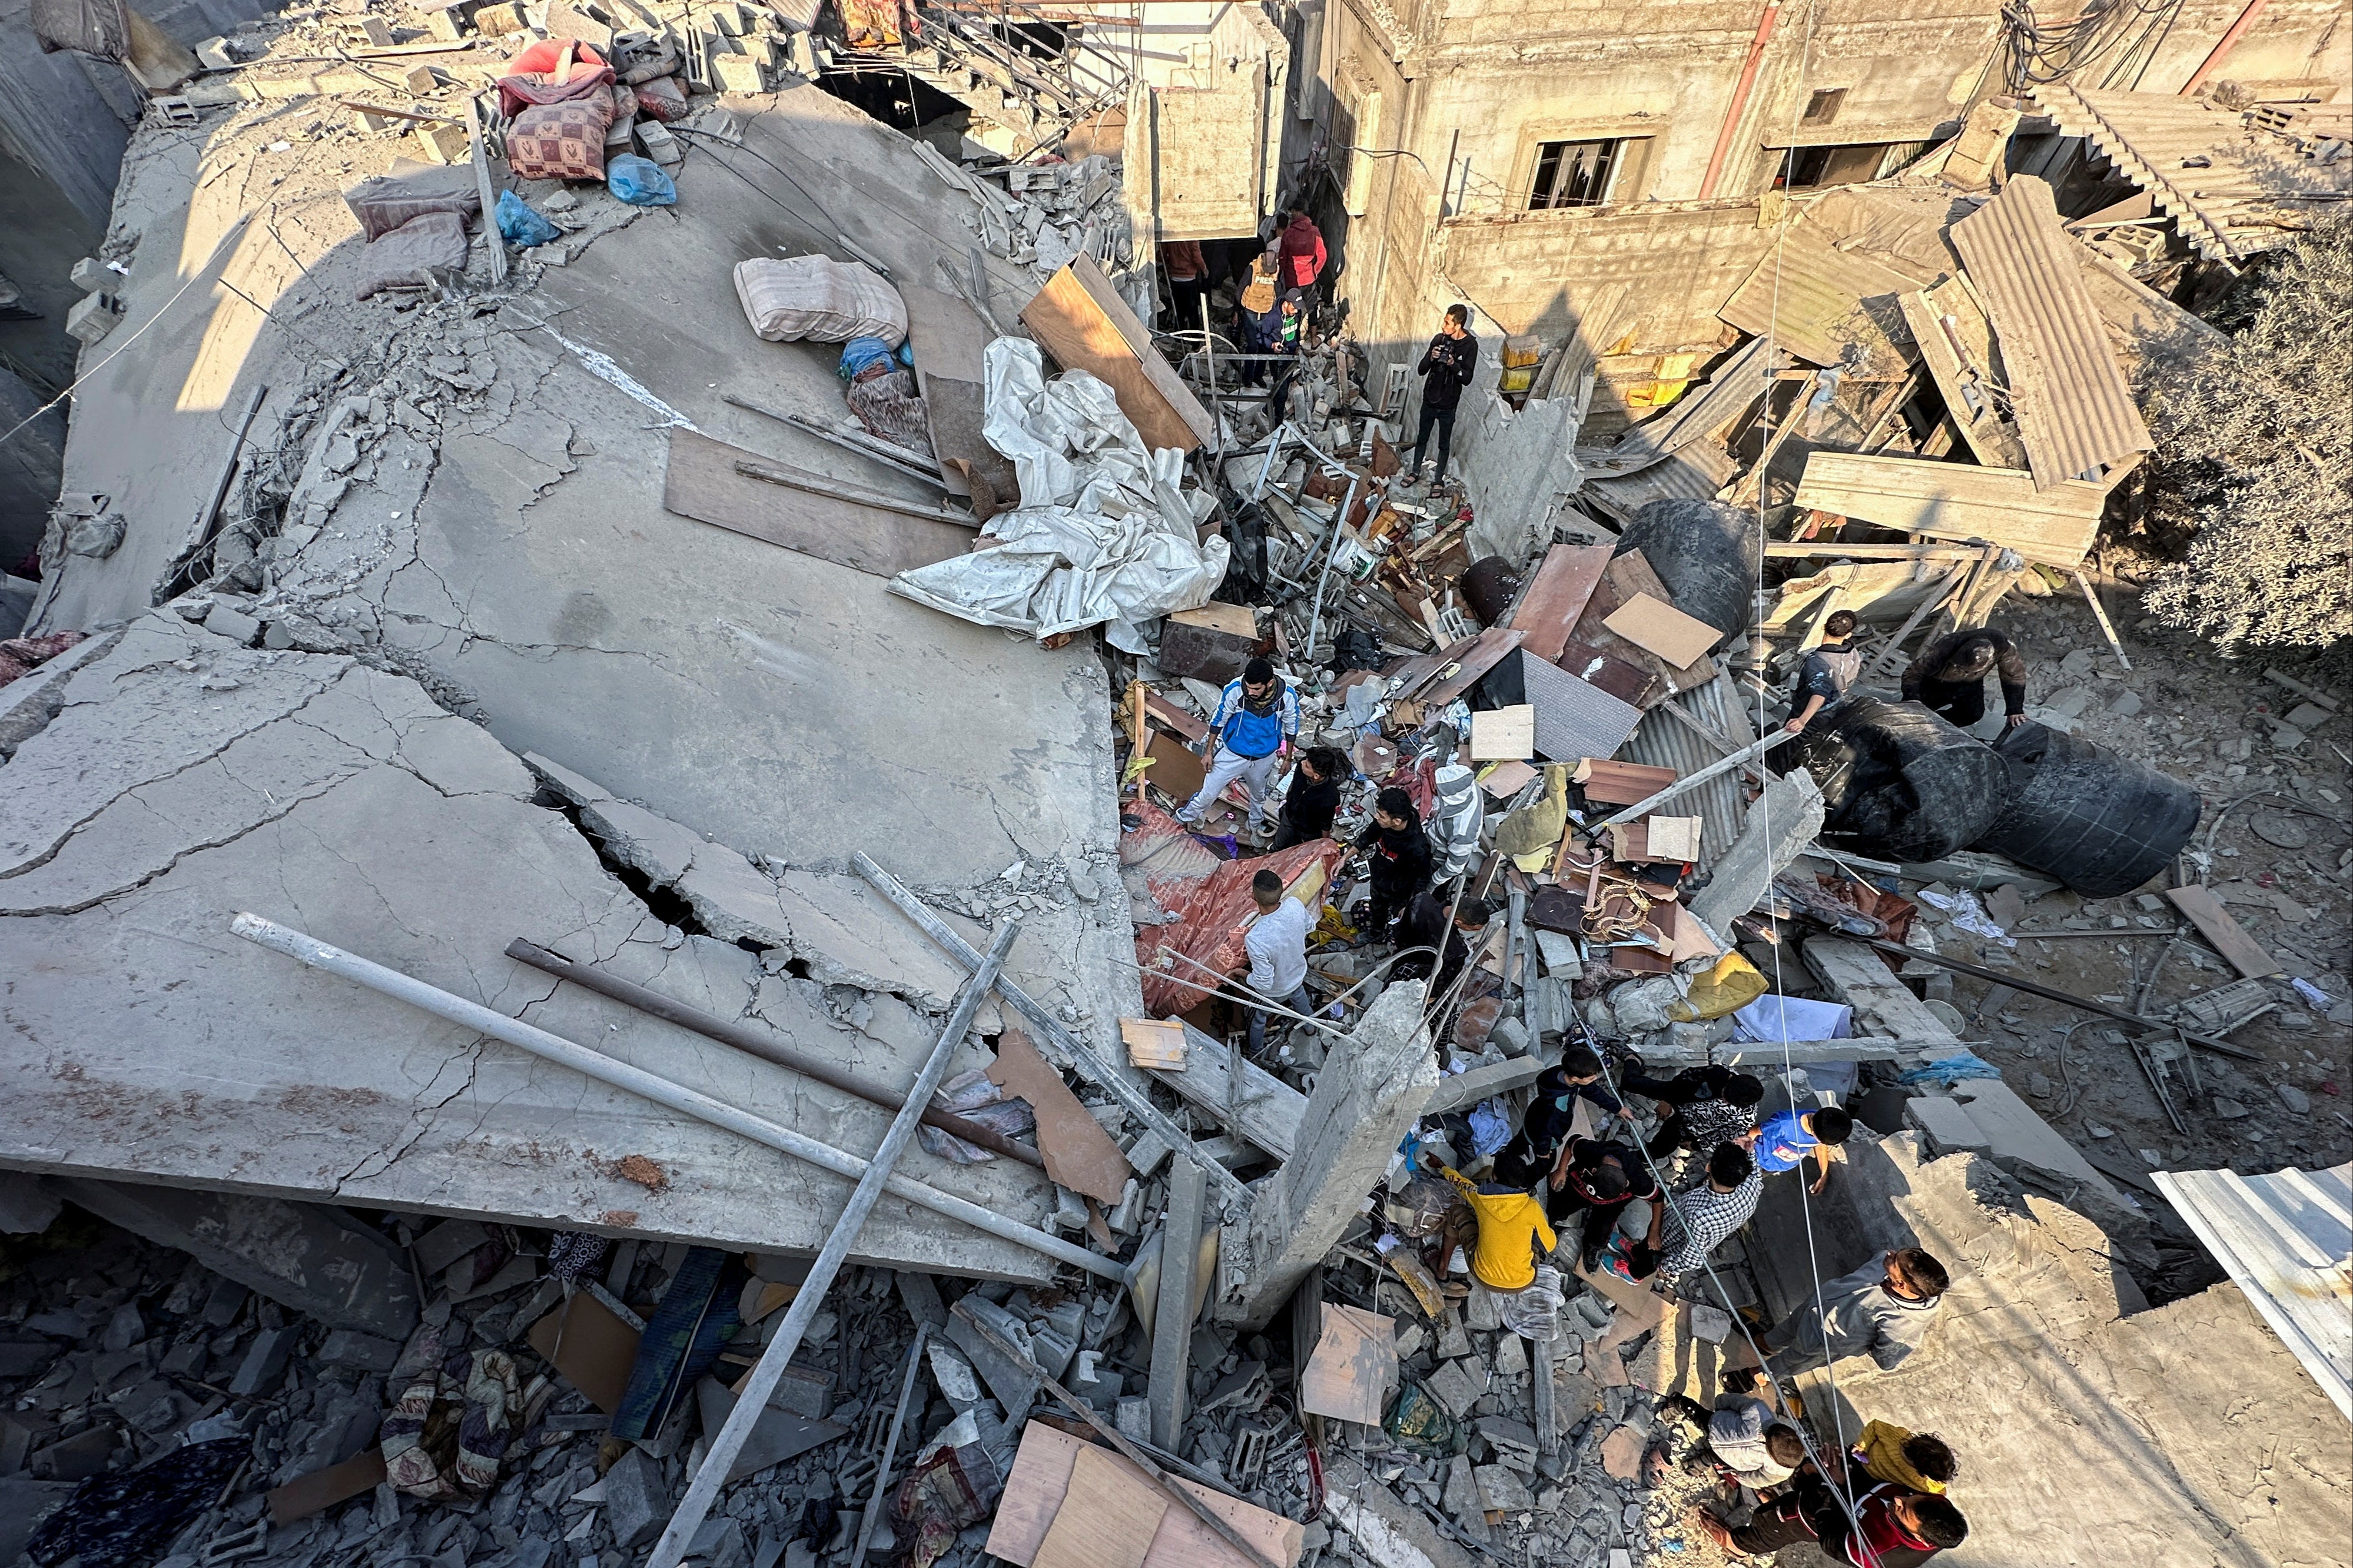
(2287, 1241)
(1808, 295)
(1675, 455)
(1574, 719)
(2074, 411)
(2231, 205)
(1675, 477)
(1661, 741)
(1958, 500)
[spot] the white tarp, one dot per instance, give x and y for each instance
(1102, 537)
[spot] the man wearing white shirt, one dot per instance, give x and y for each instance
(1277, 945)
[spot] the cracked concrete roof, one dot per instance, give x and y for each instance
(475, 532)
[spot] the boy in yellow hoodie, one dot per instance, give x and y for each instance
(1510, 1222)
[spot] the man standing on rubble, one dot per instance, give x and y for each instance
(1312, 799)
(1261, 311)
(1949, 677)
(1303, 256)
(1396, 857)
(1826, 673)
(1702, 1216)
(1277, 945)
(1445, 369)
(1456, 817)
(1257, 717)
(1188, 283)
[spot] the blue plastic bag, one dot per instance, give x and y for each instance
(521, 223)
(858, 354)
(639, 181)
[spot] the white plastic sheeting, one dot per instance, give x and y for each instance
(1102, 537)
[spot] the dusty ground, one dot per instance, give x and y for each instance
(2212, 722)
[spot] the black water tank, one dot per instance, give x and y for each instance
(1900, 778)
(2100, 822)
(1708, 554)
(1489, 587)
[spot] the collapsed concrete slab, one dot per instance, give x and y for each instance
(184, 777)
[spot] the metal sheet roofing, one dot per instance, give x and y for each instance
(1807, 296)
(2230, 186)
(2075, 414)
(1661, 741)
(2287, 1241)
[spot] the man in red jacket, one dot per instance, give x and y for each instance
(1303, 252)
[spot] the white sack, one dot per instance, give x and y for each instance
(820, 299)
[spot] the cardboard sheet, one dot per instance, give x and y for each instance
(1354, 1366)
(1078, 1153)
(1040, 1480)
(1659, 627)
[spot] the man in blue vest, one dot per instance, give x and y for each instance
(1257, 719)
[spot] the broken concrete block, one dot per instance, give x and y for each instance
(96, 537)
(234, 625)
(739, 73)
(265, 1361)
(1944, 1125)
(308, 1260)
(637, 1499)
(1502, 1491)
(124, 1327)
(344, 1347)
(1458, 1385)
(1133, 1417)
(1622, 1452)
(1015, 1382)
(92, 275)
(92, 317)
(1460, 1497)
(445, 143)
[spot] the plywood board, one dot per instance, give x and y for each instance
(1107, 1520)
(1463, 667)
(1674, 838)
(1355, 1362)
(2215, 924)
(1503, 734)
(1078, 1153)
(1956, 343)
(702, 483)
(322, 1489)
(1958, 500)
(1081, 321)
(1548, 610)
(1506, 779)
(1176, 766)
(1607, 783)
(1040, 1480)
(1234, 620)
(1627, 576)
(1154, 1043)
(1656, 626)
(591, 1347)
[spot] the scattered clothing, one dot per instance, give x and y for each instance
(128, 1516)
(1510, 1224)
(1702, 1219)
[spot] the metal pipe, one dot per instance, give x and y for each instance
(1273, 444)
(656, 1005)
(752, 1395)
(1102, 1075)
(1739, 105)
(873, 1515)
(621, 1075)
(2222, 48)
(1721, 765)
(1331, 549)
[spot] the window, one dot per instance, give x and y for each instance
(1811, 168)
(1575, 173)
(1823, 107)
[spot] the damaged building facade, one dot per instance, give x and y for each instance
(616, 944)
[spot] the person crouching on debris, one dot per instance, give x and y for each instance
(1512, 1232)
(1741, 1440)
(1891, 1526)
(1445, 369)
(1277, 945)
(1826, 673)
(1262, 312)
(1920, 1461)
(1257, 718)
(1446, 941)
(1788, 1136)
(1883, 1310)
(1312, 799)
(1396, 854)
(1949, 677)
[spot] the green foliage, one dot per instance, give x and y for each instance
(2254, 460)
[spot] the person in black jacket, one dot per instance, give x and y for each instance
(1313, 798)
(1445, 368)
(1699, 1107)
(1949, 677)
(1397, 858)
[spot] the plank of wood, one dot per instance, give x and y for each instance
(322, 1489)
(1081, 321)
(1107, 1519)
(1883, 1005)
(1503, 734)
(593, 1348)
(1464, 665)
(702, 483)
(1958, 500)
(1041, 1479)
(1608, 783)
(1549, 609)
(1176, 720)
(1656, 626)
(2215, 924)
(1627, 576)
(1355, 1362)
(1926, 312)
(1154, 1043)
(1270, 1110)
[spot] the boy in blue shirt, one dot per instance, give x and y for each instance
(1785, 1140)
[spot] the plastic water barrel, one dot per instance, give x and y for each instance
(1705, 552)
(1906, 784)
(2100, 822)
